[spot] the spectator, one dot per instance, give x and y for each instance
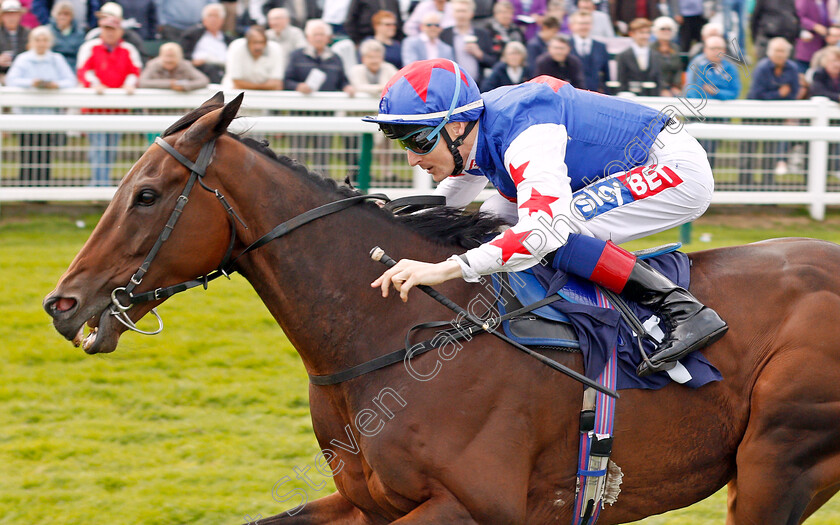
(513, 68)
(84, 13)
(39, 68)
(299, 10)
(254, 62)
(360, 24)
(471, 45)
(826, 81)
(67, 35)
(538, 45)
(283, 32)
(689, 15)
(622, 12)
(13, 36)
(710, 29)
(602, 26)
(107, 62)
(592, 54)
(832, 39)
(775, 77)
(176, 16)
(384, 29)
(206, 45)
(427, 44)
(316, 56)
(772, 18)
(501, 27)
(129, 35)
(639, 70)
(716, 76)
(414, 23)
(170, 71)
(710, 75)
(141, 15)
(814, 21)
(558, 62)
(530, 15)
(664, 50)
(371, 75)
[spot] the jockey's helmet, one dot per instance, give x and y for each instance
(421, 98)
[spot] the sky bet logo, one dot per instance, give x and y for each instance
(638, 183)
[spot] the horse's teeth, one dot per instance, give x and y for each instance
(88, 342)
(78, 339)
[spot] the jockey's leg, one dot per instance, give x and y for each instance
(674, 188)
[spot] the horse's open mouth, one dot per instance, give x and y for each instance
(97, 335)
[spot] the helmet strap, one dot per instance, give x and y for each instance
(454, 144)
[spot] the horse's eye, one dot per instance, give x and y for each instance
(146, 198)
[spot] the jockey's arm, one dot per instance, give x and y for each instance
(544, 194)
(461, 190)
(535, 163)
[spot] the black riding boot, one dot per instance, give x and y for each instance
(691, 326)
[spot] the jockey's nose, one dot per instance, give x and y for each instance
(413, 158)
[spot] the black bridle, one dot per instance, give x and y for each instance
(226, 266)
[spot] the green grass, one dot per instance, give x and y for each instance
(195, 425)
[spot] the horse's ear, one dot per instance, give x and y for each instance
(216, 100)
(229, 113)
(213, 124)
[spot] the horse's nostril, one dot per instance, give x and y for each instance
(59, 305)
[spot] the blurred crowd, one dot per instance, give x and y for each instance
(645, 47)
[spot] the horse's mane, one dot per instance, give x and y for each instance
(443, 225)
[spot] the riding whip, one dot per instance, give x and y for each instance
(378, 254)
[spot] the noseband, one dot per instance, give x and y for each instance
(225, 267)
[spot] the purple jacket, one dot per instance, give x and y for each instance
(811, 12)
(537, 7)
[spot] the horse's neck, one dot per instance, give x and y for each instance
(316, 280)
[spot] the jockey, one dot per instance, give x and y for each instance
(575, 172)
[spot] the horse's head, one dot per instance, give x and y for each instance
(131, 226)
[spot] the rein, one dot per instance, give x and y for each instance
(197, 172)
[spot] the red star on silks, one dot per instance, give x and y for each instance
(419, 77)
(511, 243)
(539, 202)
(518, 174)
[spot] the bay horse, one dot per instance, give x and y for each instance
(493, 437)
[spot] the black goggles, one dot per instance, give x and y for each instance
(417, 139)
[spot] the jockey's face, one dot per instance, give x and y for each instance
(439, 162)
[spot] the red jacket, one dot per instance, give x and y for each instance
(112, 67)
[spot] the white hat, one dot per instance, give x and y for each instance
(11, 6)
(663, 22)
(110, 9)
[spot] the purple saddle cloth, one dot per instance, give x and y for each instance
(598, 329)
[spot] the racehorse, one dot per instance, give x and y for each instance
(493, 437)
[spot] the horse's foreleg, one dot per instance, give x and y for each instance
(332, 509)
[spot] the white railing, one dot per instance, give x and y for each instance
(809, 127)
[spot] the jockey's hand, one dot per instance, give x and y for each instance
(407, 274)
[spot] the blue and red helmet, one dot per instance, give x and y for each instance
(426, 93)
(421, 98)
